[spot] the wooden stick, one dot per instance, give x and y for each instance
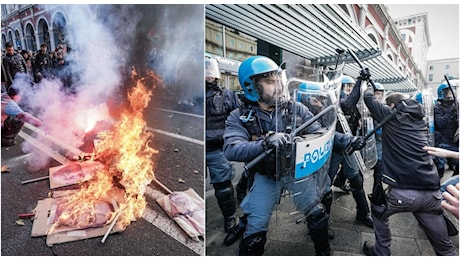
(36, 179)
(162, 186)
(111, 226)
(40, 132)
(44, 148)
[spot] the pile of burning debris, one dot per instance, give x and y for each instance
(102, 192)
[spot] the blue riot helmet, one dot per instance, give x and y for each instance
(419, 97)
(310, 87)
(379, 86)
(378, 91)
(251, 70)
(347, 80)
(316, 98)
(441, 90)
(347, 85)
(444, 91)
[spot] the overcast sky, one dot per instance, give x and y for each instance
(443, 23)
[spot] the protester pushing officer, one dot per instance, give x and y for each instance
(411, 176)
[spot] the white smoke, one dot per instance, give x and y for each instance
(104, 42)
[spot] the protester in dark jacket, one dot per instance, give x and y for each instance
(410, 173)
(13, 63)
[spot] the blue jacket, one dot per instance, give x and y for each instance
(240, 145)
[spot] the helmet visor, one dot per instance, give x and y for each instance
(272, 87)
(211, 70)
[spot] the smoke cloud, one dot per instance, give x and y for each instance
(105, 42)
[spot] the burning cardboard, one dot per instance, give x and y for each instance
(111, 186)
(73, 173)
(59, 220)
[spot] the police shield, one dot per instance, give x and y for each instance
(369, 152)
(306, 180)
(428, 105)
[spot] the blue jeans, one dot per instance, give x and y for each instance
(265, 192)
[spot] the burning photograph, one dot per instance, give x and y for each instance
(102, 130)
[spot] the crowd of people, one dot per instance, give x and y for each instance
(16, 66)
(258, 132)
(36, 65)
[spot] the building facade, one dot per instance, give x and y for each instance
(438, 69)
(27, 26)
(311, 33)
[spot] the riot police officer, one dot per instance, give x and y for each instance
(446, 126)
(219, 103)
(261, 125)
(350, 168)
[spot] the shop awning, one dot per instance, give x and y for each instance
(314, 32)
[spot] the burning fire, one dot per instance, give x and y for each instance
(117, 191)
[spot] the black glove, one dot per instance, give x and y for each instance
(275, 140)
(357, 143)
(364, 74)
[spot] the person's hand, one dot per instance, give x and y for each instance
(451, 199)
(365, 74)
(357, 143)
(275, 140)
(32, 120)
(440, 152)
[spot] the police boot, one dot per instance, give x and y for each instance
(318, 226)
(362, 208)
(10, 130)
(253, 245)
(226, 200)
(236, 232)
(327, 202)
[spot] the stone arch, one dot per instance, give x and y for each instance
(29, 37)
(375, 36)
(3, 41)
(59, 28)
(43, 32)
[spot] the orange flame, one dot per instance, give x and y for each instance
(120, 186)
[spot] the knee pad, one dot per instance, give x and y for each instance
(253, 245)
(318, 218)
(356, 183)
